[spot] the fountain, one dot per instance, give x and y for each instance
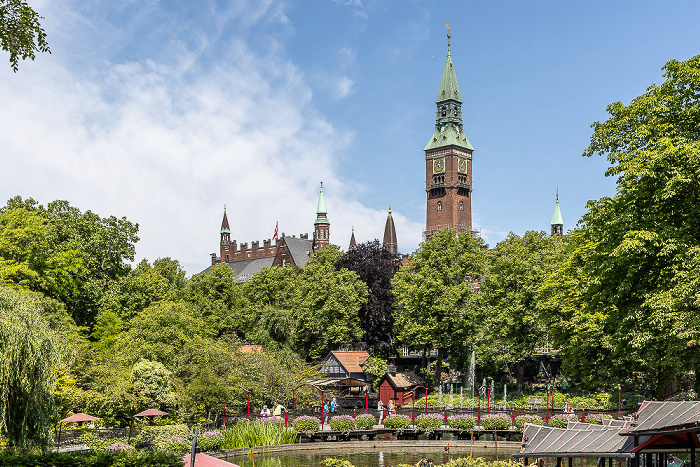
(505, 398)
(493, 393)
(471, 376)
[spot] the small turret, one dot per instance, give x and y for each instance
(353, 243)
(557, 221)
(225, 243)
(321, 226)
(390, 243)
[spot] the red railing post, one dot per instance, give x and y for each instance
(512, 418)
(583, 415)
(445, 417)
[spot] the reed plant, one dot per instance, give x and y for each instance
(244, 434)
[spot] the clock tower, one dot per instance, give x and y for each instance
(448, 161)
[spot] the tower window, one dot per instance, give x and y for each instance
(439, 205)
(444, 111)
(461, 205)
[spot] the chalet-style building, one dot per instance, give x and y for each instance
(344, 365)
(399, 387)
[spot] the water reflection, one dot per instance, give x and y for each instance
(379, 458)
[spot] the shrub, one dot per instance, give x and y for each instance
(333, 462)
(118, 446)
(428, 421)
(521, 420)
(210, 440)
(176, 445)
(161, 436)
(365, 421)
(561, 420)
(306, 424)
(342, 423)
(130, 458)
(498, 421)
(597, 418)
(101, 445)
(462, 422)
(397, 421)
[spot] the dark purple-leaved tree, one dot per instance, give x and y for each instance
(376, 267)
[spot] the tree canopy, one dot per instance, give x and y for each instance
(628, 298)
(21, 33)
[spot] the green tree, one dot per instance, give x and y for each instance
(434, 294)
(219, 300)
(152, 381)
(517, 268)
(327, 305)
(30, 358)
(634, 249)
(20, 32)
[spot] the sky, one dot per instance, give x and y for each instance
(164, 112)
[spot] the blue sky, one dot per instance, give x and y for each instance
(165, 111)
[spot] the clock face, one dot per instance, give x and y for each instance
(462, 165)
(438, 165)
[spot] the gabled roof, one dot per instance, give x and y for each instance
(655, 416)
(544, 441)
(300, 249)
(351, 361)
(407, 379)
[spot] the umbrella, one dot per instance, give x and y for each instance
(79, 418)
(150, 413)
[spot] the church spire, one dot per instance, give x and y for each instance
(557, 221)
(225, 243)
(321, 226)
(353, 243)
(390, 243)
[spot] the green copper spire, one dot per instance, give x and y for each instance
(321, 209)
(556, 217)
(224, 223)
(448, 122)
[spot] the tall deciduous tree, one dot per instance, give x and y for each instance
(434, 292)
(517, 268)
(376, 267)
(20, 32)
(635, 248)
(30, 358)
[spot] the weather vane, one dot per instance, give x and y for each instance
(449, 36)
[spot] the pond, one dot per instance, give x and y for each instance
(380, 457)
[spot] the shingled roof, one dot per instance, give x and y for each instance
(598, 441)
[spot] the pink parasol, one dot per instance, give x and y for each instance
(150, 413)
(79, 418)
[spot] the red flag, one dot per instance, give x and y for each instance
(274, 236)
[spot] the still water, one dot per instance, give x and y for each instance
(374, 458)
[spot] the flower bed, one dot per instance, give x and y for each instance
(365, 421)
(428, 421)
(210, 440)
(561, 420)
(497, 421)
(521, 420)
(342, 423)
(306, 424)
(397, 421)
(462, 422)
(597, 418)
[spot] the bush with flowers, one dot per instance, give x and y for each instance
(562, 420)
(342, 423)
(521, 420)
(496, 421)
(429, 421)
(176, 445)
(462, 422)
(306, 424)
(365, 421)
(597, 418)
(118, 446)
(397, 421)
(210, 440)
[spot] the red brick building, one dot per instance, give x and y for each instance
(448, 161)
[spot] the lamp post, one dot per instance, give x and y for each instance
(619, 401)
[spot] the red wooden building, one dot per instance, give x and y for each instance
(399, 388)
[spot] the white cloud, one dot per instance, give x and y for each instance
(345, 85)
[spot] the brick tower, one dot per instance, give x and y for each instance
(321, 226)
(448, 161)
